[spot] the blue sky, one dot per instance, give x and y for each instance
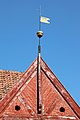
(19, 21)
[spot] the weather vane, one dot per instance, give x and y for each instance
(39, 84)
(41, 20)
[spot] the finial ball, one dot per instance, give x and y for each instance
(39, 34)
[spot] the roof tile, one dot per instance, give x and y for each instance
(7, 80)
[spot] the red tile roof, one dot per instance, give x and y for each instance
(7, 80)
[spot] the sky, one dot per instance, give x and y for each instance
(60, 44)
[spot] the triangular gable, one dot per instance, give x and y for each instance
(57, 103)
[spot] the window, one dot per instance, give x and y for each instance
(62, 109)
(17, 107)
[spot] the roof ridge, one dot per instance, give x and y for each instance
(10, 71)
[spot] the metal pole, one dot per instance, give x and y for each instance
(39, 18)
(39, 84)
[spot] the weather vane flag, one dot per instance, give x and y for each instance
(44, 19)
